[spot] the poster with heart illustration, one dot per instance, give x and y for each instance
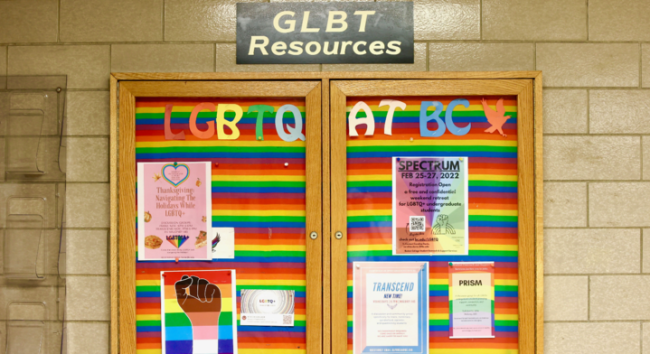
(174, 211)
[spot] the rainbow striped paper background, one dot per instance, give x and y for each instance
(492, 210)
(253, 192)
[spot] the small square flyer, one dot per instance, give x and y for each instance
(267, 308)
(174, 211)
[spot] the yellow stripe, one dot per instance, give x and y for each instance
(206, 143)
(438, 316)
(508, 282)
(171, 305)
(423, 142)
(147, 283)
(258, 178)
(370, 212)
(263, 248)
(501, 178)
(147, 317)
(499, 317)
(479, 247)
(271, 282)
(190, 108)
(258, 213)
(148, 351)
(413, 107)
(492, 212)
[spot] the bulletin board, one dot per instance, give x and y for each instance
(264, 187)
(306, 212)
(486, 126)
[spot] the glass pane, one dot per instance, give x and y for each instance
(258, 188)
(487, 146)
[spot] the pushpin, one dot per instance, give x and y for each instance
(451, 264)
(411, 139)
(286, 164)
(460, 158)
(259, 138)
(163, 274)
(176, 259)
(216, 164)
(358, 266)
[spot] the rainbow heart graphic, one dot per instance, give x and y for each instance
(177, 240)
(175, 173)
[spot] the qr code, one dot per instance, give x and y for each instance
(416, 224)
(287, 319)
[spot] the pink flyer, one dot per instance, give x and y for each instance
(174, 211)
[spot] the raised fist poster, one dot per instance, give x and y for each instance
(391, 307)
(174, 211)
(430, 206)
(199, 312)
(471, 300)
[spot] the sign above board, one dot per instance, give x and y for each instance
(331, 33)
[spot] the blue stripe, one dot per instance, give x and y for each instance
(505, 294)
(352, 225)
(180, 333)
(492, 224)
(492, 189)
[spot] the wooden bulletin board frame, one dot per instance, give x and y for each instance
(125, 87)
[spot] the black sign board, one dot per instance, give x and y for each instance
(332, 33)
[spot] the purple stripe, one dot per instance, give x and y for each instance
(499, 160)
(241, 161)
(493, 230)
(148, 335)
(370, 195)
(147, 300)
(504, 300)
(493, 195)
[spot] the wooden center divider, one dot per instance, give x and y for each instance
(326, 257)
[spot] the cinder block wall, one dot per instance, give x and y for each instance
(595, 55)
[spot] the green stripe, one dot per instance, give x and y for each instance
(267, 254)
(506, 323)
(177, 319)
(438, 322)
(148, 323)
(369, 218)
(140, 289)
(506, 288)
(493, 218)
(492, 184)
(297, 219)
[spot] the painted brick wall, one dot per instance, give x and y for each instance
(595, 55)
